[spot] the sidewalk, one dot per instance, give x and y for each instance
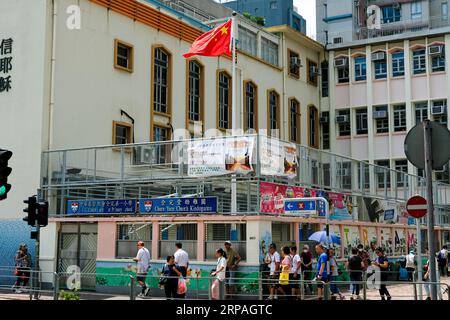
(398, 292)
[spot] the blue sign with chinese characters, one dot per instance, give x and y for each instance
(178, 205)
(78, 207)
(300, 206)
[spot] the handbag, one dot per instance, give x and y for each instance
(182, 288)
(284, 278)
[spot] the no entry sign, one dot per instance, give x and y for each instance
(417, 206)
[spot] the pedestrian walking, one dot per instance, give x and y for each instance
(383, 263)
(233, 259)
(23, 264)
(442, 259)
(273, 259)
(410, 265)
(171, 272)
(285, 284)
(364, 255)
(334, 269)
(355, 266)
(219, 273)
(295, 273)
(143, 264)
(181, 258)
(322, 268)
(306, 267)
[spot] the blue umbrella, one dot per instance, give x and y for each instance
(321, 236)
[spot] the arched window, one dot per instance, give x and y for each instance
(251, 106)
(161, 80)
(273, 111)
(313, 124)
(294, 121)
(224, 101)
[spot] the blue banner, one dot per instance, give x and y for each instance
(75, 207)
(178, 205)
(389, 215)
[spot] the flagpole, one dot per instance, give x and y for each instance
(234, 107)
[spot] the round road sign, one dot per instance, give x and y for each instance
(417, 207)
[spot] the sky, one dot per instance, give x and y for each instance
(307, 8)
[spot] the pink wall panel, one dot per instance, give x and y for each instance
(419, 89)
(360, 149)
(359, 95)
(343, 147)
(380, 92)
(106, 240)
(342, 96)
(438, 86)
(397, 90)
(381, 147)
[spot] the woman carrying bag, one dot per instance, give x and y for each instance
(169, 280)
(219, 273)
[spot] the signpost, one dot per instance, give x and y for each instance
(426, 148)
(417, 208)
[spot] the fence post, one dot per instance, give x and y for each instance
(55, 286)
(260, 287)
(326, 291)
(209, 288)
(132, 287)
(32, 275)
(415, 284)
(364, 286)
(221, 290)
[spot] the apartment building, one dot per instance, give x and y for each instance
(383, 81)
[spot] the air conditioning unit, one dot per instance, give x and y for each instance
(380, 114)
(435, 50)
(343, 119)
(145, 155)
(296, 62)
(324, 119)
(377, 56)
(438, 110)
(340, 62)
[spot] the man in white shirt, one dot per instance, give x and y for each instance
(443, 261)
(410, 264)
(274, 260)
(295, 272)
(181, 259)
(143, 264)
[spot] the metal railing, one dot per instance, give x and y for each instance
(159, 168)
(199, 288)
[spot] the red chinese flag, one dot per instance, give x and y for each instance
(213, 43)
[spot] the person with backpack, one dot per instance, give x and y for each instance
(355, 265)
(23, 263)
(171, 272)
(382, 262)
(443, 261)
(143, 264)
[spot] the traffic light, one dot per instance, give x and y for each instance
(31, 210)
(42, 213)
(5, 171)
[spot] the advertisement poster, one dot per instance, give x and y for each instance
(278, 158)
(402, 213)
(369, 235)
(334, 229)
(411, 239)
(220, 156)
(341, 207)
(351, 239)
(400, 242)
(273, 195)
(386, 241)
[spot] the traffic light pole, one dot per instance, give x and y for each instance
(36, 282)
